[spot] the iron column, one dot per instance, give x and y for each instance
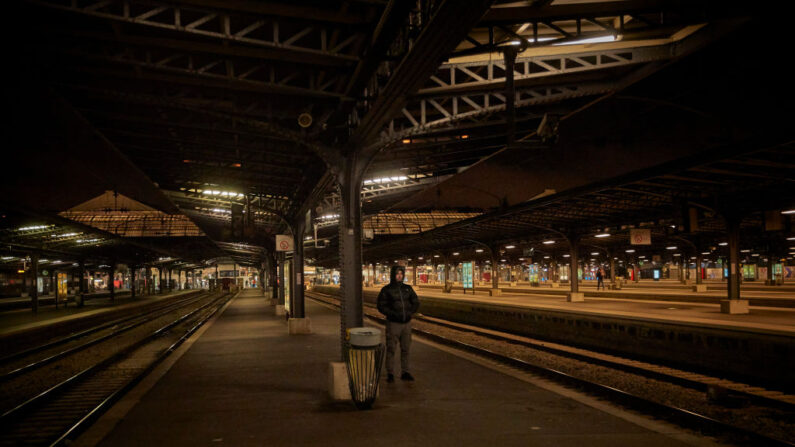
(574, 266)
(281, 278)
(111, 282)
(733, 227)
(297, 301)
(34, 272)
(699, 261)
(495, 268)
(350, 237)
(132, 281)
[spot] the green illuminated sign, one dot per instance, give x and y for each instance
(466, 273)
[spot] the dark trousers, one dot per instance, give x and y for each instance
(600, 282)
(397, 333)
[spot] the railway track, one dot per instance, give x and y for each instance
(58, 414)
(38, 356)
(683, 417)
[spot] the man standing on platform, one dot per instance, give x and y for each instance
(397, 301)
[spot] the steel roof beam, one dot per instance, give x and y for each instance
(431, 114)
(208, 150)
(572, 208)
(205, 22)
(445, 29)
(201, 47)
(552, 13)
(286, 10)
(221, 73)
(268, 128)
(188, 125)
(155, 164)
(474, 77)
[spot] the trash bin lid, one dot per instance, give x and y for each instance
(365, 336)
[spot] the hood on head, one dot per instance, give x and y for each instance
(394, 270)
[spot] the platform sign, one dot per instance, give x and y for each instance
(466, 275)
(62, 285)
(287, 286)
(284, 242)
(532, 273)
(640, 237)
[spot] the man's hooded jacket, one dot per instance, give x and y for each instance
(397, 301)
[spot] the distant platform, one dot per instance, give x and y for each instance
(758, 295)
(757, 347)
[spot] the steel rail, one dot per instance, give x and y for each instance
(144, 317)
(52, 392)
(94, 414)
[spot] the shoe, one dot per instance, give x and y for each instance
(407, 377)
(390, 378)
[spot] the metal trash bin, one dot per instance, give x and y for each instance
(364, 357)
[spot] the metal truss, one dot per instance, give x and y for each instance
(257, 202)
(262, 219)
(412, 223)
(400, 46)
(379, 189)
(447, 102)
(434, 113)
(243, 75)
(376, 189)
(272, 129)
(532, 26)
(251, 29)
(136, 223)
(49, 236)
(485, 74)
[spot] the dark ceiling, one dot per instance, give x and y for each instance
(193, 107)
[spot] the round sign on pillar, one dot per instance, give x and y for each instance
(284, 242)
(640, 236)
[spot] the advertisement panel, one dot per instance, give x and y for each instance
(466, 275)
(287, 287)
(63, 283)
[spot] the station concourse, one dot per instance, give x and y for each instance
(202, 200)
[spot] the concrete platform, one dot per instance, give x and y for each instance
(633, 305)
(771, 296)
(246, 382)
(45, 301)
